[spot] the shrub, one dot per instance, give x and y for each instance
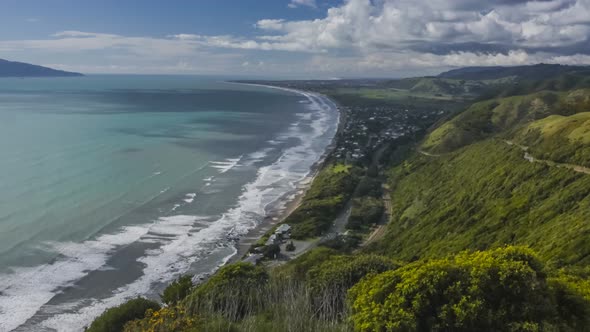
(499, 290)
(169, 319)
(177, 290)
(329, 281)
(114, 319)
(231, 292)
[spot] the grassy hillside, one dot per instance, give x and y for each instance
(487, 195)
(501, 116)
(561, 139)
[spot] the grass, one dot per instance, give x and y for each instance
(483, 196)
(500, 116)
(574, 127)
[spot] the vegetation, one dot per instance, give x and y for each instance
(114, 319)
(366, 211)
(232, 291)
(328, 194)
(329, 281)
(500, 290)
(177, 290)
(492, 117)
(167, 319)
(487, 195)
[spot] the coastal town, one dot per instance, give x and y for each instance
(372, 124)
(376, 120)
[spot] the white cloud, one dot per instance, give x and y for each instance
(395, 24)
(298, 3)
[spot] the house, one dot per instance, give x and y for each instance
(283, 229)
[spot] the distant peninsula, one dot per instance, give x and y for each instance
(21, 69)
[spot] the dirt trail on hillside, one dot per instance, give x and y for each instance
(528, 157)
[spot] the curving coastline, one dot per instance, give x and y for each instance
(291, 202)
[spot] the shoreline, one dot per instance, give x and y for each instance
(244, 243)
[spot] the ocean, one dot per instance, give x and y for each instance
(111, 186)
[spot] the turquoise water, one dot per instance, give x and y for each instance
(111, 186)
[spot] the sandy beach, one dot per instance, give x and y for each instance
(273, 218)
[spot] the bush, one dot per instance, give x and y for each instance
(329, 281)
(231, 292)
(168, 319)
(177, 290)
(114, 319)
(500, 290)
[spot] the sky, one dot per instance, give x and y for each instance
(293, 38)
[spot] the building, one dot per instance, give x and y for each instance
(284, 231)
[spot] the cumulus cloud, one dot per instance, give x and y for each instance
(397, 24)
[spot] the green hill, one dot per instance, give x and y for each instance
(487, 195)
(501, 116)
(473, 189)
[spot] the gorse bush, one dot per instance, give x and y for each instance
(500, 290)
(114, 319)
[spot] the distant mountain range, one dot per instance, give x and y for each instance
(536, 72)
(21, 69)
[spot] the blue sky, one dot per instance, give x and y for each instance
(292, 38)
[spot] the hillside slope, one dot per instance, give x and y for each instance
(20, 69)
(471, 188)
(487, 195)
(502, 115)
